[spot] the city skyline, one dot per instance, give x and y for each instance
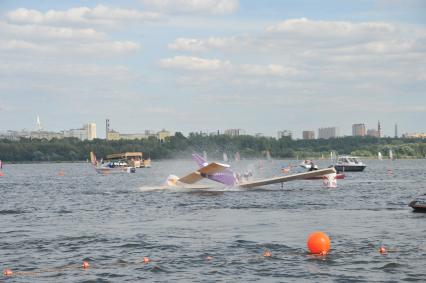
(321, 132)
(212, 65)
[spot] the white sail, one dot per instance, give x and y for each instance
(379, 156)
(237, 156)
(225, 157)
(390, 154)
(268, 155)
(205, 155)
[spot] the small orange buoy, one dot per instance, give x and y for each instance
(61, 173)
(146, 259)
(1, 174)
(318, 243)
(209, 257)
(382, 250)
(267, 253)
(7, 272)
(85, 264)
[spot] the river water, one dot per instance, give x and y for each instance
(50, 223)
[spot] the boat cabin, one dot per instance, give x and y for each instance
(349, 160)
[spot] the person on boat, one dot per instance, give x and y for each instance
(313, 167)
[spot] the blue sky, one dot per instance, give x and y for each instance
(209, 65)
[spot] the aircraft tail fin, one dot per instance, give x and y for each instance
(199, 159)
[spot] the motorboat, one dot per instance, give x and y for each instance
(307, 164)
(114, 167)
(111, 166)
(419, 203)
(347, 163)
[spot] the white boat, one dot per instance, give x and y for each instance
(347, 163)
(307, 164)
(111, 166)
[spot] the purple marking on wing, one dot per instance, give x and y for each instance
(225, 177)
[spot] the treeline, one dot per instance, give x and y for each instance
(179, 146)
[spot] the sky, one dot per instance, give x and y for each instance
(209, 65)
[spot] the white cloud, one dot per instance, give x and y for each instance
(42, 31)
(99, 15)
(195, 64)
(269, 70)
(225, 67)
(219, 7)
(199, 45)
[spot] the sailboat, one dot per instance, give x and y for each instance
(225, 157)
(391, 155)
(205, 155)
(379, 156)
(237, 156)
(268, 155)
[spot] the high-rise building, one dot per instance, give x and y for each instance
(396, 130)
(284, 134)
(358, 130)
(308, 135)
(327, 133)
(91, 131)
(87, 132)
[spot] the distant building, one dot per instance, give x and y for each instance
(308, 135)
(16, 135)
(112, 135)
(373, 133)
(284, 134)
(358, 130)
(163, 134)
(234, 132)
(132, 136)
(415, 136)
(46, 135)
(87, 132)
(327, 133)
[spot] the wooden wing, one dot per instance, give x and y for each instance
(287, 178)
(196, 176)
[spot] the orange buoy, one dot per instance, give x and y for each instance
(209, 257)
(7, 272)
(61, 173)
(318, 243)
(382, 250)
(85, 264)
(1, 174)
(146, 259)
(267, 253)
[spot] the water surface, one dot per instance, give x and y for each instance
(50, 223)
